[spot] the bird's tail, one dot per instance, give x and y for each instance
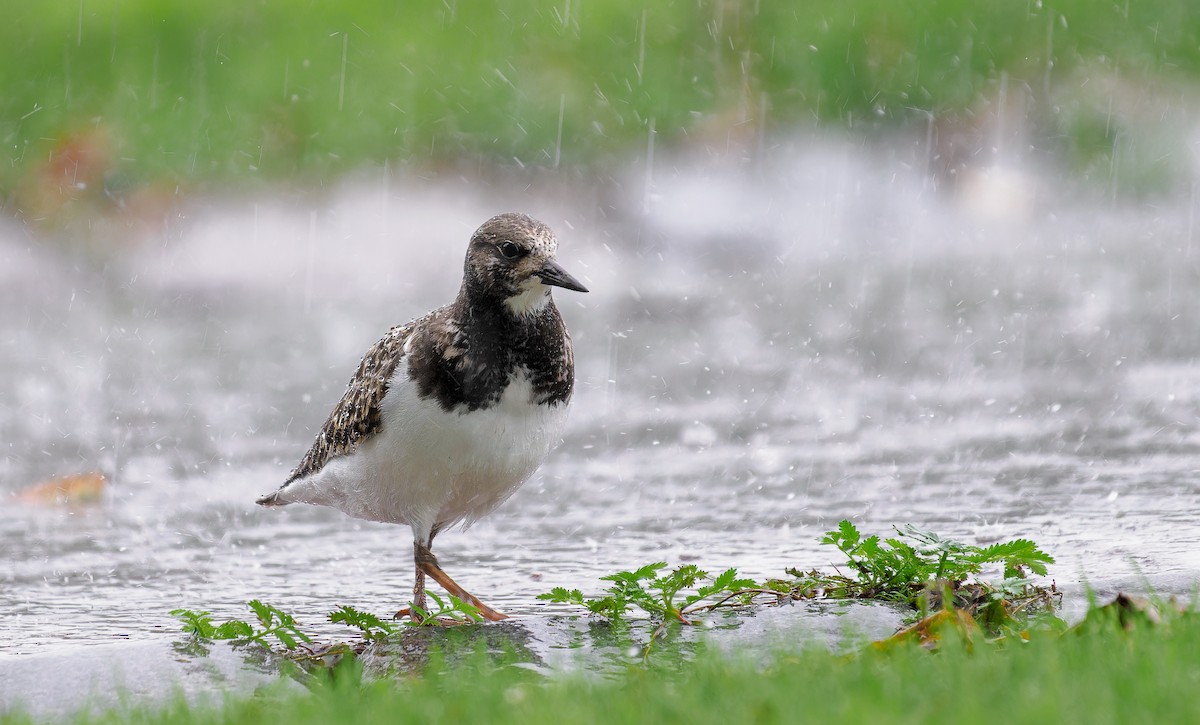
(272, 499)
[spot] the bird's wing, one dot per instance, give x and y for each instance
(358, 414)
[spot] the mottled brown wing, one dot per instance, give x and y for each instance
(357, 415)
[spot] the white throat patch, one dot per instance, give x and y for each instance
(533, 297)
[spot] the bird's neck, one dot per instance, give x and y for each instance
(498, 342)
(503, 317)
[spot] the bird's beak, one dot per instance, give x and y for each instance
(551, 273)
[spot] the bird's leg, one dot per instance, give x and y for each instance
(418, 600)
(419, 603)
(428, 563)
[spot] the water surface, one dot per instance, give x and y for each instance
(767, 349)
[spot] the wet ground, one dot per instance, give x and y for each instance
(767, 348)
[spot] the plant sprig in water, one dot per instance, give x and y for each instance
(916, 567)
(272, 622)
(659, 596)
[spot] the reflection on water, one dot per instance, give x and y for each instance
(764, 352)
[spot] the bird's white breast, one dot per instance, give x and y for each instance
(429, 467)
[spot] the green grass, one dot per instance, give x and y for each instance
(221, 90)
(1098, 675)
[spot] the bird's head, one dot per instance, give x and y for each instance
(511, 258)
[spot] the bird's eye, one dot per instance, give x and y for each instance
(510, 250)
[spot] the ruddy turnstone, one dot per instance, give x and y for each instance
(448, 415)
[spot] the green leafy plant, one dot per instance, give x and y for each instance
(272, 622)
(450, 610)
(199, 624)
(660, 596)
(371, 626)
(917, 567)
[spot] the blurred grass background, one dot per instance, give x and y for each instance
(129, 93)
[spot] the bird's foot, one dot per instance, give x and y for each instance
(485, 611)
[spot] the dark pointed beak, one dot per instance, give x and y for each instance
(552, 274)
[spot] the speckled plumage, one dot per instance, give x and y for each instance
(460, 368)
(357, 414)
(446, 416)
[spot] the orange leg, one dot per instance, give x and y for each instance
(427, 563)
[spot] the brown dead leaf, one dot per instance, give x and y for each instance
(79, 488)
(929, 632)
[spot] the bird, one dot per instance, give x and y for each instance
(447, 415)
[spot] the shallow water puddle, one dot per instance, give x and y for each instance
(743, 385)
